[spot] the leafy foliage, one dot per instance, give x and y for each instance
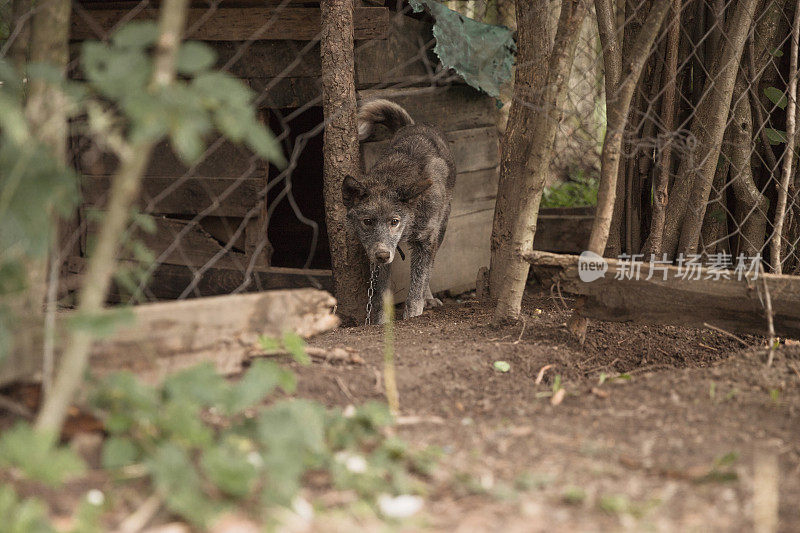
(37, 456)
(120, 109)
(579, 191)
(208, 444)
(22, 516)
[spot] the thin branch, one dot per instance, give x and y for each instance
(661, 182)
(101, 266)
(617, 111)
(788, 155)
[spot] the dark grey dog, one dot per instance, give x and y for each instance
(404, 196)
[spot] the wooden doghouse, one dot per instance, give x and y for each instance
(215, 226)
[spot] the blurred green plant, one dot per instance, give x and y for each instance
(579, 191)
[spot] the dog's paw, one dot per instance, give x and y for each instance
(432, 302)
(413, 309)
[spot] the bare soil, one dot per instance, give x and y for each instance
(667, 442)
(660, 428)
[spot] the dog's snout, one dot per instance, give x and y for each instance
(383, 256)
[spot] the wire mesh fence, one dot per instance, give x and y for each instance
(231, 222)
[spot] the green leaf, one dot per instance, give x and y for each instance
(262, 142)
(187, 136)
(136, 34)
(144, 222)
(13, 123)
(177, 481)
(119, 452)
(45, 72)
(776, 96)
(220, 88)
(11, 80)
(229, 469)
(104, 323)
(776, 52)
(194, 57)
(775, 136)
(127, 401)
(116, 73)
(296, 346)
(37, 456)
(256, 384)
(22, 516)
(233, 122)
(292, 426)
(181, 422)
(200, 384)
(269, 344)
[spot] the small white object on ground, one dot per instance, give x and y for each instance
(502, 366)
(401, 506)
(95, 497)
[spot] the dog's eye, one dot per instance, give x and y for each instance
(395, 221)
(367, 221)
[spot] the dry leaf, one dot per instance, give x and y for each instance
(542, 370)
(558, 397)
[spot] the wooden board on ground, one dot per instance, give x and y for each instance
(166, 337)
(169, 282)
(730, 304)
(234, 24)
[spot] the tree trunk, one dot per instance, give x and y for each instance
(341, 157)
(715, 223)
(533, 23)
(617, 106)
(46, 112)
(617, 111)
(661, 181)
(102, 264)
(788, 154)
(511, 271)
(751, 204)
(688, 200)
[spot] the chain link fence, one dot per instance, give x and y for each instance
(232, 222)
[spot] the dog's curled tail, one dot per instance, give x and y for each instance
(383, 112)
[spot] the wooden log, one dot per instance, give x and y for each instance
(168, 282)
(729, 304)
(166, 337)
(235, 24)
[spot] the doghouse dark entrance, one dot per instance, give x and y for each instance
(296, 200)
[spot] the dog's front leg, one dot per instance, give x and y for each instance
(421, 263)
(380, 287)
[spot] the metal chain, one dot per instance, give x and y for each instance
(370, 293)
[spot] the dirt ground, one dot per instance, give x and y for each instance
(683, 434)
(659, 428)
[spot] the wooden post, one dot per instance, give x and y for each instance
(341, 156)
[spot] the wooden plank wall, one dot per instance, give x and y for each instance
(468, 120)
(283, 66)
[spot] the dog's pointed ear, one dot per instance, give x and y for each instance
(352, 191)
(408, 193)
